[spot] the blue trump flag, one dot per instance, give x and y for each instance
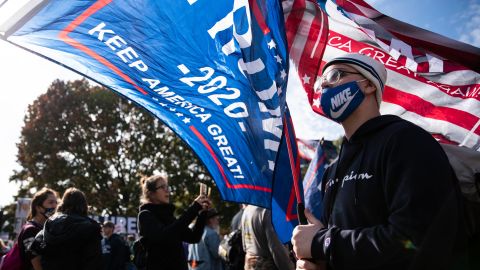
(215, 72)
(287, 188)
(312, 182)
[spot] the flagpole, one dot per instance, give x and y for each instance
(295, 168)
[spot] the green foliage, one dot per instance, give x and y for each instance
(338, 143)
(87, 137)
(7, 218)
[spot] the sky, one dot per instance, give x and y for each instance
(24, 76)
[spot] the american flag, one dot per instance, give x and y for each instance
(432, 81)
(307, 148)
(306, 27)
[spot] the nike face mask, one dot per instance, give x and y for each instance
(341, 101)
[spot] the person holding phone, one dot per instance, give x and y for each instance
(161, 231)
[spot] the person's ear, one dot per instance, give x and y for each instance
(368, 87)
(149, 194)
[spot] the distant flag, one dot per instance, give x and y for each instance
(306, 149)
(312, 182)
(215, 72)
(433, 81)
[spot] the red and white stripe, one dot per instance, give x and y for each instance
(307, 148)
(306, 26)
(426, 88)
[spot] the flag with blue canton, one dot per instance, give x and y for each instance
(215, 72)
(287, 188)
(312, 182)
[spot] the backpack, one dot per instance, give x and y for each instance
(13, 259)
(465, 162)
(140, 254)
(140, 250)
(231, 250)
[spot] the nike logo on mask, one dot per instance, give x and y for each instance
(336, 114)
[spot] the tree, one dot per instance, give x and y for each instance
(87, 137)
(7, 219)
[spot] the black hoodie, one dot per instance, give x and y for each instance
(70, 242)
(390, 202)
(164, 234)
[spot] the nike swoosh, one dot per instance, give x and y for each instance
(343, 108)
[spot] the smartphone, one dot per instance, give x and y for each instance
(203, 189)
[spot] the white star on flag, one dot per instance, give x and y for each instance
(316, 102)
(306, 79)
(186, 120)
(162, 104)
(271, 44)
(179, 114)
(172, 109)
(279, 90)
(283, 74)
(279, 59)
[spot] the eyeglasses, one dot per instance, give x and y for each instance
(334, 75)
(164, 187)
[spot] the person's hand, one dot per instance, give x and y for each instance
(251, 260)
(308, 265)
(303, 236)
(204, 201)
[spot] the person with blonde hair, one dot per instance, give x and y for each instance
(161, 232)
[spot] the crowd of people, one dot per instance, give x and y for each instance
(390, 202)
(63, 236)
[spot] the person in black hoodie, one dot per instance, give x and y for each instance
(161, 231)
(70, 239)
(390, 201)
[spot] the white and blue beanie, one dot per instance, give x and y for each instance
(371, 69)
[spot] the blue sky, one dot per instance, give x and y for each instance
(459, 20)
(24, 76)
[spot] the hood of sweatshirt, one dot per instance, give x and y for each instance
(371, 126)
(353, 151)
(70, 230)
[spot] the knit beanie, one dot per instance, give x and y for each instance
(371, 69)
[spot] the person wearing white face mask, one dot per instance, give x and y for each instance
(391, 195)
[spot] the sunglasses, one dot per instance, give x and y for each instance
(334, 75)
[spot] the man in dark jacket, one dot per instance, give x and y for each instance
(114, 249)
(390, 201)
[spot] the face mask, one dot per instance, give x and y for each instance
(341, 101)
(49, 212)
